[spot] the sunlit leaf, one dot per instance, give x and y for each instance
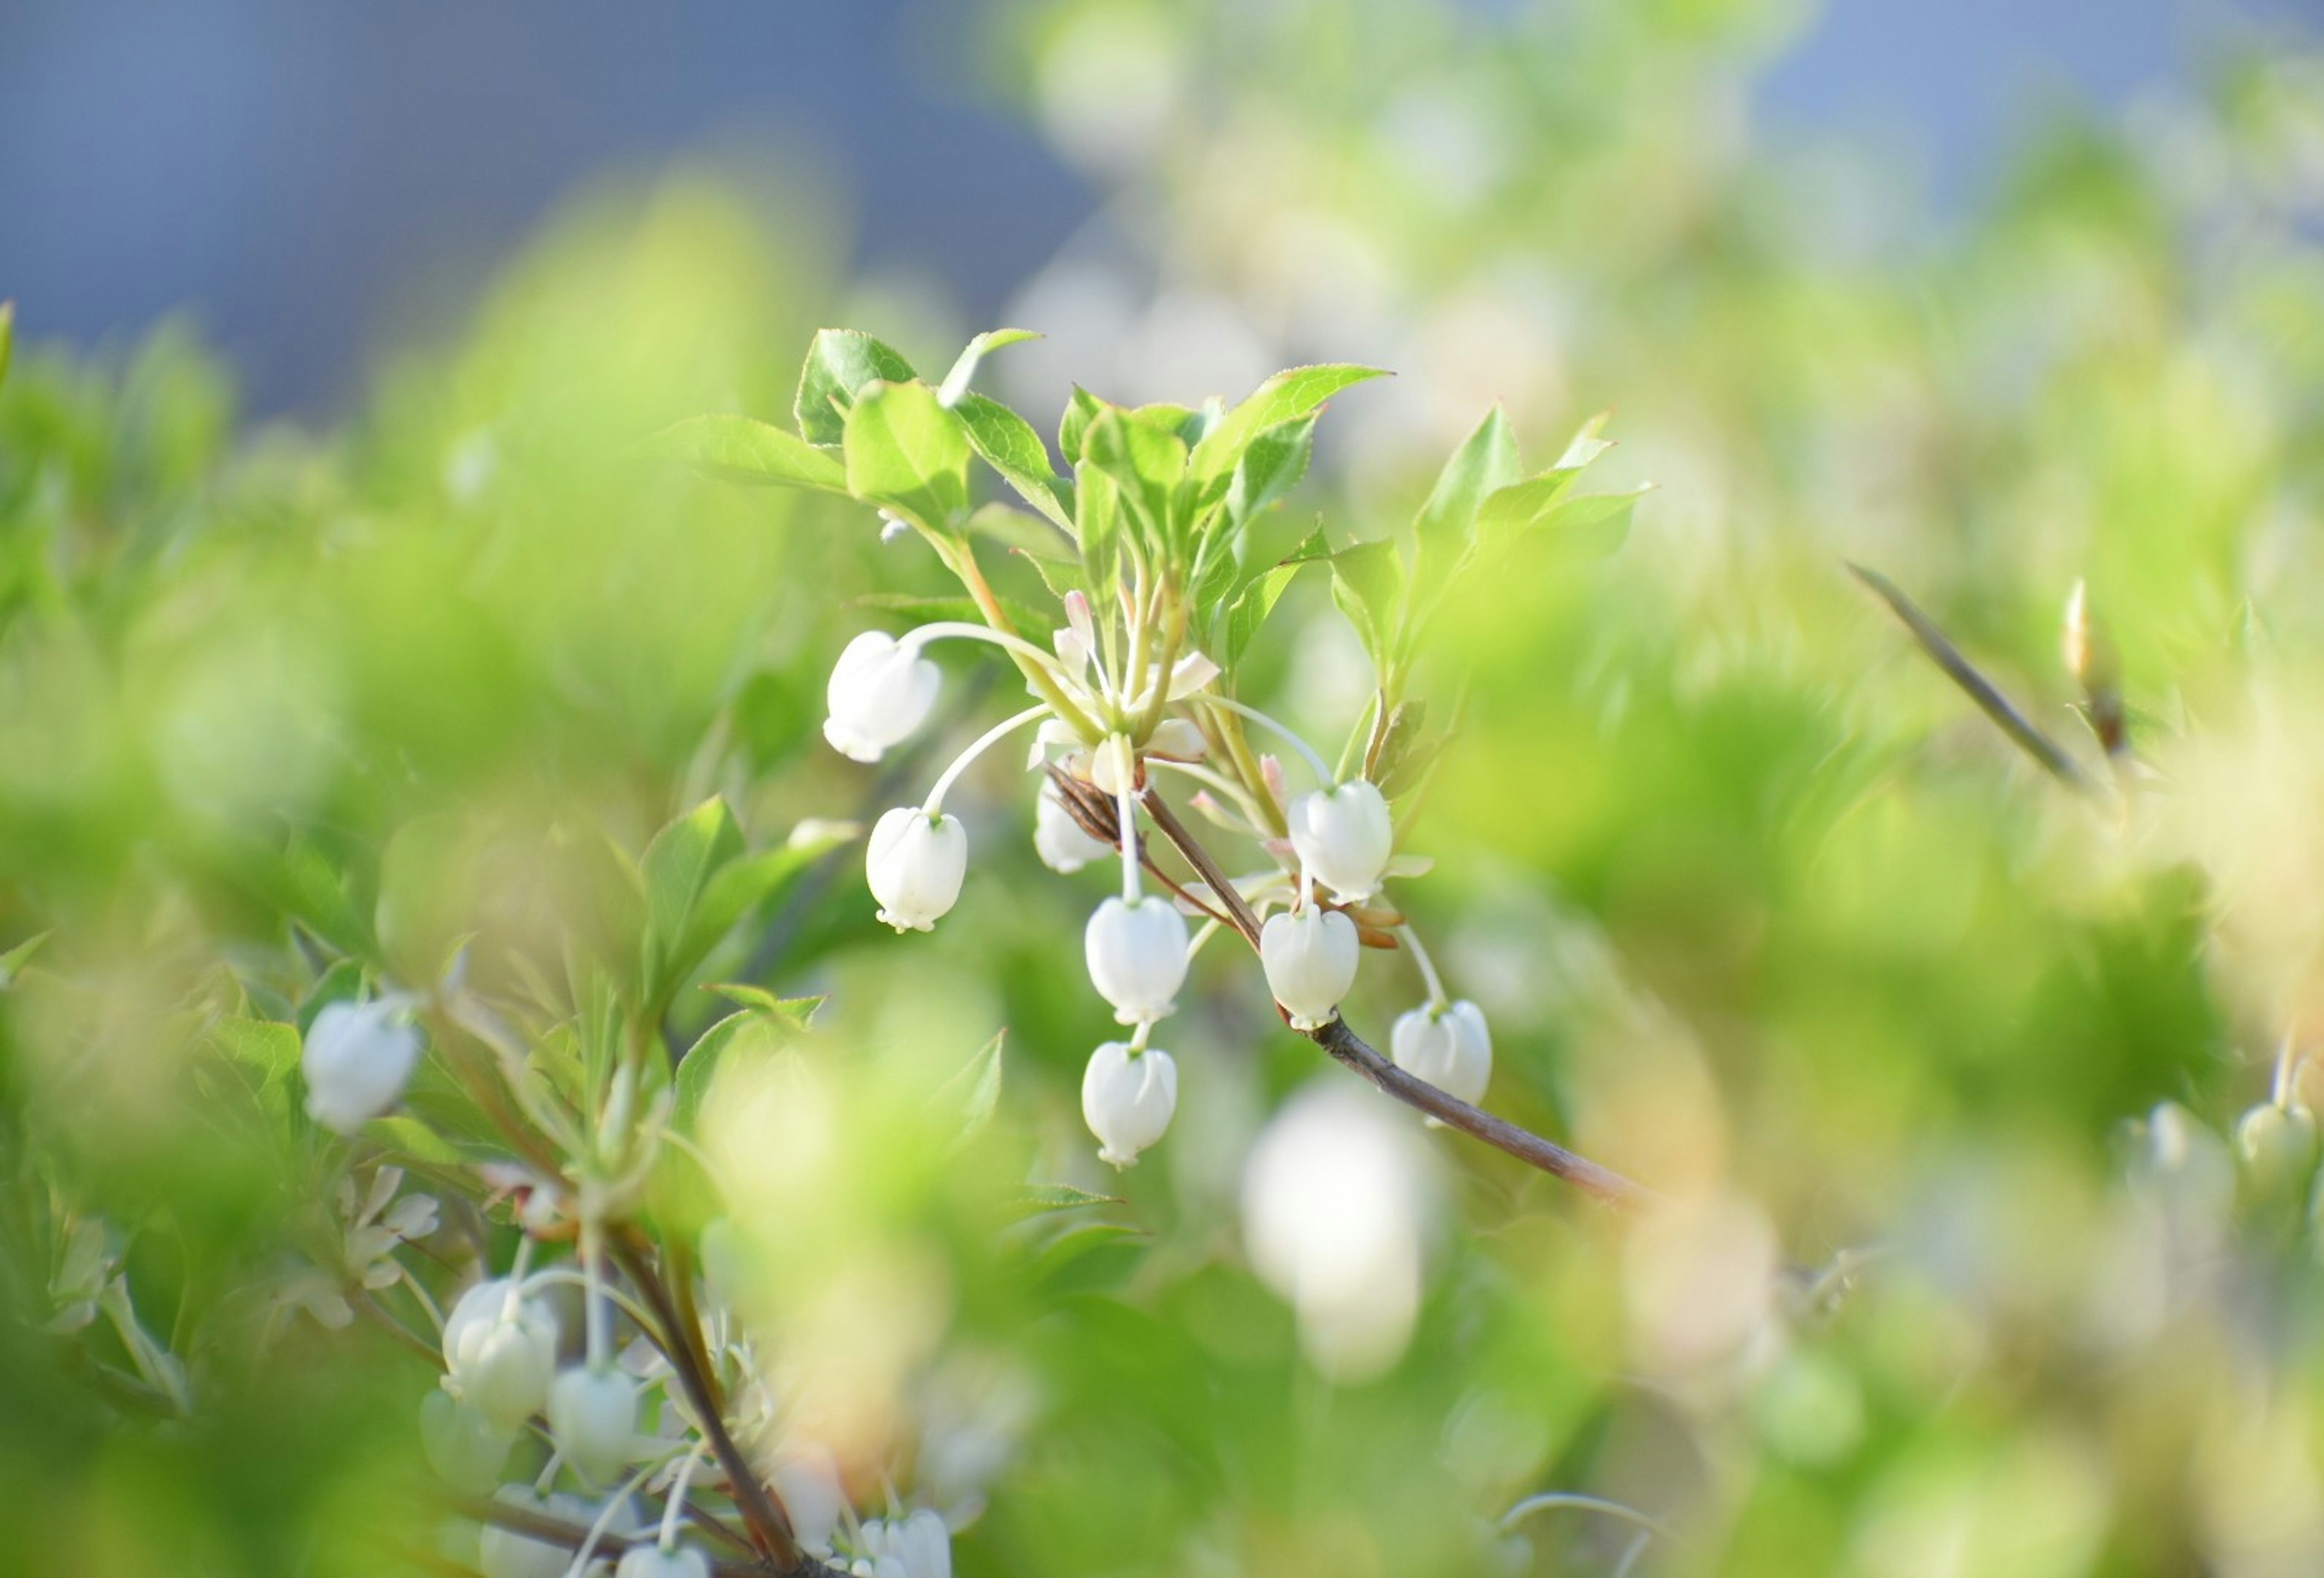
(840, 364)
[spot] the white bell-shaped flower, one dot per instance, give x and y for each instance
(1136, 953)
(880, 691)
(358, 1059)
(1343, 838)
(505, 1553)
(1309, 955)
(1058, 839)
(807, 1478)
(500, 1350)
(915, 863)
(592, 1417)
(1449, 1047)
(919, 1546)
(653, 1561)
(461, 1444)
(1128, 1098)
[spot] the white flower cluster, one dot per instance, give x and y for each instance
(1112, 713)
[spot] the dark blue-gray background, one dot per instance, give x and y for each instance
(286, 169)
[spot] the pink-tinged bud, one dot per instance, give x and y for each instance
(1137, 954)
(914, 863)
(880, 691)
(1343, 838)
(1449, 1047)
(592, 1417)
(1310, 959)
(358, 1059)
(1128, 1098)
(1058, 839)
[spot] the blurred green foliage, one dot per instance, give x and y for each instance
(1763, 913)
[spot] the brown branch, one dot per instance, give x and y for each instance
(2053, 757)
(1608, 1186)
(769, 1525)
(550, 1529)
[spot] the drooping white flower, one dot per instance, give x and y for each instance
(881, 690)
(461, 1444)
(1335, 1202)
(500, 1350)
(919, 1546)
(914, 864)
(808, 1479)
(358, 1059)
(1128, 1098)
(506, 1553)
(1309, 955)
(1059, 840)
(1178, 739)
(592, 1417)
(1344, 837)
(1137, 954)
(1449, 1047)
(653, 1561)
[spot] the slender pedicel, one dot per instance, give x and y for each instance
(1323, 772)
(933, 806)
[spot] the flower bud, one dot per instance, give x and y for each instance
(1058, 839)
(1310, 959)
(1449, 1047)
(1343, 838)
(592, 1417)
(881, 690)
(500, 1350)
(357, 1058)
(462, 1446)
(1137, 954)
(915, 863)
(2278, 1144)
(653, 1561)
(1128, 1098)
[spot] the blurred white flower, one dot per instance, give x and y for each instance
(592, 1417)
(1335, 1202)
(1344, 837)
(1058, 839)
(917, 1546)
(881, 690)
(1449, 1047)
(1128, 1099)
(500, 1350)
(358, 1058)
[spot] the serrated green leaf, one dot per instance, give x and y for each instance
(909, 454)
(1008, 443)
(269, 1048)
(1270, 468)
(956, 383)
(839, 365)
(1040, 1199)
(1292, 393)
(738, 448)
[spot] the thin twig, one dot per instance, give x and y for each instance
(2053, 757)
(550, 1529)
(1606, 1185)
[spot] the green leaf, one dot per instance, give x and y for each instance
(676, 870)
(976, 1088)
(1008, 444)
(1290, 394)
(1270, 468)
(1081, 409)
(263, 1048)
(1097, 511)
(748, 1035)
(1147, 463)
(1592, 523)
(840, 364)
(415, 1140)
(956, 383)
(1040, 1199)
(12, 962)
(736, 448)
(797, 1012)
(907, 453)
(1446, 527)
(1368, 585)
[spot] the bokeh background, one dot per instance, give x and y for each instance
(340, 619)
